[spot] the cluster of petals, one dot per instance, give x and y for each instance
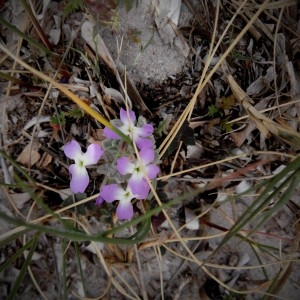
(138, 168)
(138, 134)
(112, 192)
(80, 177)
(137, 187)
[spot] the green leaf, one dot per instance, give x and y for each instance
(225, 126)
(213, 111)
(72, 6)
(59, 120)
(75, 113)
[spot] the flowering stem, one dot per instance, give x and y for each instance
(69, 94)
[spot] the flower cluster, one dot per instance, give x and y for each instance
(134, 169)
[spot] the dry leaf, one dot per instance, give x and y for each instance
(191, 221)
(261, 84)
(258, 87)
(29, 156)
(242, 187)
(166, 19)
(20, 199)
(114, 94)
(102, 9)
(46, 161)
(92, 247)
(37, 120)
(264, 124)
(55, 35)
(167, 12)
(65, 193)
(194, 151)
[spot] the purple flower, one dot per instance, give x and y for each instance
(80, 177)
(137, 181)
(112, 192)
(137, 134)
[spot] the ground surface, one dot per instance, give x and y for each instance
(218, 148)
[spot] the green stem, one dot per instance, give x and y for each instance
(75, 235)
(37, 25)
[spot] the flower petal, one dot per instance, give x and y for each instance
(111, 192)
(92, 154)
(124, 211)
(146, 155)
(80, 178)
(124, 116)
(72, 149)
(99, 200)
(110, 134)
(145, 130)
(124, 165)
(152, 171)
(139, 187)
(144, 143)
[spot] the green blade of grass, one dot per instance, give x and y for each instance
(278, 281)
(23, 270)
(142, 231)
(13, 237)
(16, 255)
(29, 188)
(30, 40)
(15, 80)
(80, 268)
(36, 25)
(80, 236)
(259, 261)
(64, 270)
(266, 197)
(290, 184)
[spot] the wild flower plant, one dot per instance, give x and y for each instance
(80, 177)
(127, 181)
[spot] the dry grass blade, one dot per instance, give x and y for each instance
(68, 93)
(259, 26)
(288, 268)
(263, 123)
(206, 77)
(37, 25)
